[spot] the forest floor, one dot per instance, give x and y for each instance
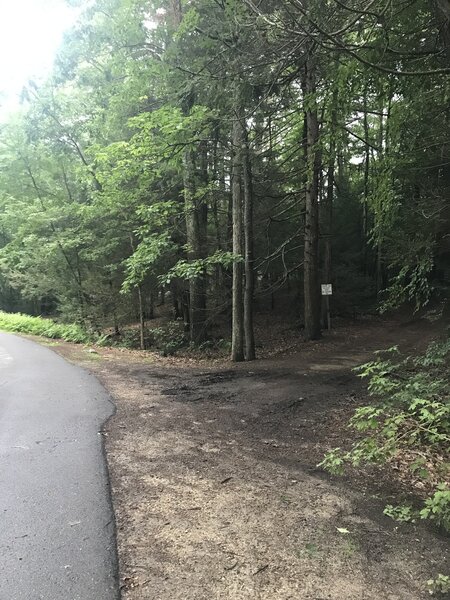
(215, 481)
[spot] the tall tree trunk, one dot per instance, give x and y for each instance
(115, 323)
(140, 304)
(196, 216)
(219, 194)
(218, 179)
(176, 299)
(141, 318)
(379, 243)
(329, 196)
(311, 251)
(185, 303)
(196, 220)
(383, 142)
(365, 223)
(175, 13)
(114, 310)
(151, 305)
(237, 330)
(327, 220)
(249, 334)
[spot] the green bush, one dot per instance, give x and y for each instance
(129, 338)
(410, 416)
(19, 323)
(440, 585)
(169, 338)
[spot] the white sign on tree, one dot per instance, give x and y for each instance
(327, 291)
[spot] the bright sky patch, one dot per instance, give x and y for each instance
(30, 33)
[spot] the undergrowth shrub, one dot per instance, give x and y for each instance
(410, 418)
(169, 337)
(19, 323)
(408, 422)
(129, 338)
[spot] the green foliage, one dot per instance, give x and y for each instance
(439, 585)
(144, 260)
(19, 323)
(437, 507)
(410, 415)
(402, 514)
(197, 268)
(334, 462)
(129, 338)
(107, 164)
(412, 282)
(169, 338)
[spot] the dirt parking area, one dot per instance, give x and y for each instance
(216, 487)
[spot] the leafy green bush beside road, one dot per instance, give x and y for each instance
(409, 420)
(409, 424)
(19, 323)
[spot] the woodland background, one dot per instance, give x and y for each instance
(227, 157)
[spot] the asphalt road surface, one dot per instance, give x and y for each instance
(57, 531)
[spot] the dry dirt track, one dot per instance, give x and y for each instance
(217, 492)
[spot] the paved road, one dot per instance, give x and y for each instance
(57, 533)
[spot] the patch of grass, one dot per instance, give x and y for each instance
(285, 499)
(92, 356)
(312, 550)
(349, 548)
(19, 323)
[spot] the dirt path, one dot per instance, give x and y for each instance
(216, 488)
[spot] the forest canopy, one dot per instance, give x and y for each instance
(223, 152)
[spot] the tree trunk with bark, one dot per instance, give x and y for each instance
(365, 215)
(311, 252)
(196, 216)
(140, 298)
(237, 328)
(196, 220)
(329, 195)
(141, 318)
(249, 289)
